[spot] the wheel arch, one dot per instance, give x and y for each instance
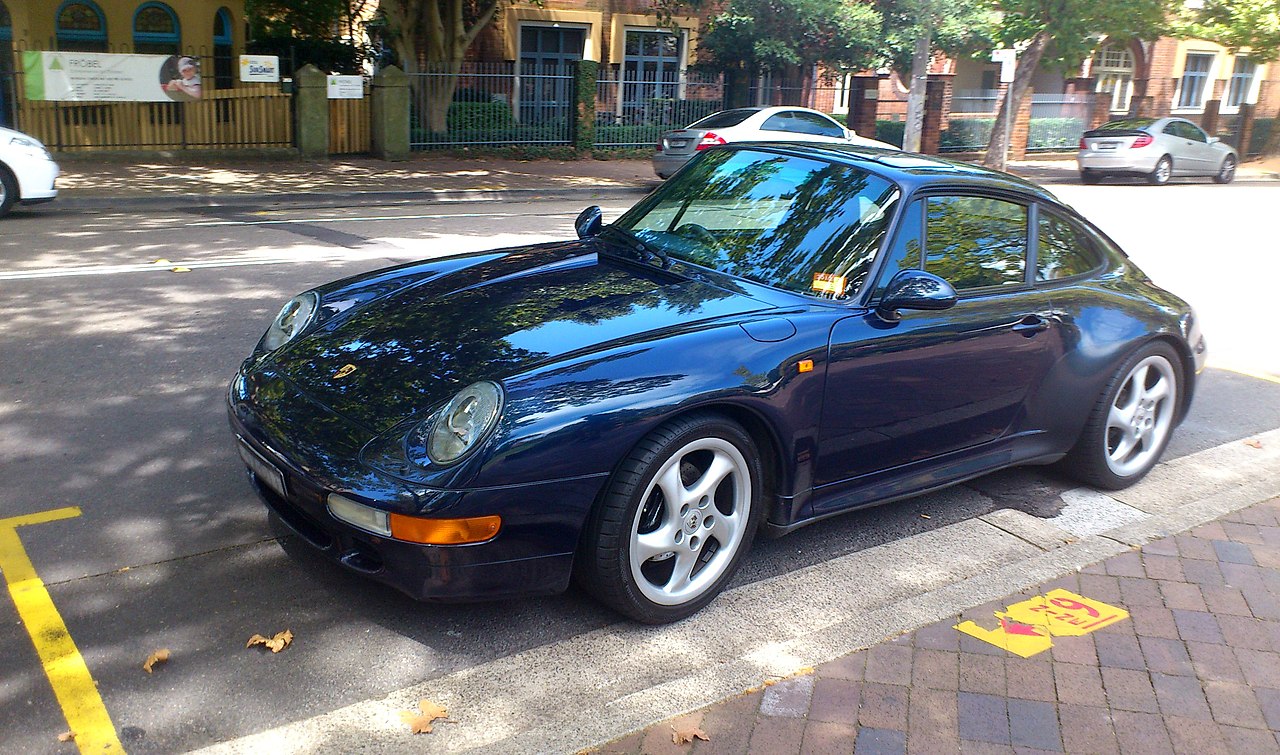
(1188, 364)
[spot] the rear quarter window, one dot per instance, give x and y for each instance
(1064, 249)
(724, 119)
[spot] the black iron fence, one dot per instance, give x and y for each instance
(492, 104)
(633, 108)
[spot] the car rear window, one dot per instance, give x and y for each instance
(725, 118)
(1126, 124)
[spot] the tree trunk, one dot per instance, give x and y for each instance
(1028, 62)
(916, 94)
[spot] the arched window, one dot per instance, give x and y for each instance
(223, 61)
(81, 27)
(1113, 70)
(156, 30)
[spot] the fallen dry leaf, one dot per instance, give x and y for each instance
(159, 656)
(180, 270)
(67, 736)
(1253, 443)
(161, 261)
(420, 723)
(278, 642)
(925, 516)
(687, 733)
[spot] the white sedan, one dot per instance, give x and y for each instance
(27, 171)
(752, 124)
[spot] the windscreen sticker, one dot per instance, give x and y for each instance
(829, 283)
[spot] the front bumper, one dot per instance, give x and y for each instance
(531, 555)
(36, 176)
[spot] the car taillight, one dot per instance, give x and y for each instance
(710, 139)
(1082, 144)
(1142, 141)
(659, 145)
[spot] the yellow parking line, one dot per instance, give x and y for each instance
(1269, 377)
(66, 669)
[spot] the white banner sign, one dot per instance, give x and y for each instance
(260, 68)
(104, 77)
(346, 87)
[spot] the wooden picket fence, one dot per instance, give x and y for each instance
(248, 117)
(350, 130)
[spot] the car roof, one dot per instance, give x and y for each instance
(911, 171)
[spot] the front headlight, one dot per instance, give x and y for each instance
(30, 147)
(462, 423)
(294, 317)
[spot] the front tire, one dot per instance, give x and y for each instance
(1131, 422)
(676, 520)
(1227, 172)
(1162, 172)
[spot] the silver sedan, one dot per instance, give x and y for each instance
(752, 124)
(1155, 148)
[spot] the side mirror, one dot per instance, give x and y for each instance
(915, 289)
(589, 222)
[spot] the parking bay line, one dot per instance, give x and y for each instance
(63, 665)
(590, 688)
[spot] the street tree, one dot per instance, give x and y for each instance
(1252, 25)
(326, 33)
(914, 29)
(1061, 33)
(752, 36)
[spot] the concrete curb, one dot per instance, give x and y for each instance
(342, 199)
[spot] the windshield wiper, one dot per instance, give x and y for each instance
(647, 253)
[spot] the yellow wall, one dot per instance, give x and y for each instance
(34, 28)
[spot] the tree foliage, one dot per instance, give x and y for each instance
(756, 35)
(954, 27)
(1236, 24)
(325, 33)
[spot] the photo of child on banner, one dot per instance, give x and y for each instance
(180, 78)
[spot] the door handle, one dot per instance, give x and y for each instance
(1030, 325)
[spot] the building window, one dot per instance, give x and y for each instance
(156, 30)
(1241, 82)
(223, 61)
(546, 77)
(651, 69)
(81, 27)
(1113, 69)
(1195, 75)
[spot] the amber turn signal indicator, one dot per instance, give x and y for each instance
(805, 365)
(445, 531)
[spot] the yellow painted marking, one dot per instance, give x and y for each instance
(1029, 627)
(68, 675)
(1249, 373)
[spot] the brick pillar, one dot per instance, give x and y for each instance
(864, 105)
(1209, 118)
(1099, 109)
(1080, 85)
(311, 112)
(389, 108)
(1021, 132)
(1247, 113)
(937, 110)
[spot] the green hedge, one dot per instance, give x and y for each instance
(964, 134)
(891, 131)
(472, 116)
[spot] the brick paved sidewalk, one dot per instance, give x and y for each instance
(1195, 669)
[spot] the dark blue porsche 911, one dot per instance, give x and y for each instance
(778, 334)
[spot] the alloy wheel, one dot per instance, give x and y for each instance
(692, 521)
(1141, 416)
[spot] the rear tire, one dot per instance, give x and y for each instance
(8, 191)
(1131, 422)
(675, 521)
(1162, 172)
(1227, 172)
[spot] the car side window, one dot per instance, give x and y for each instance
(1064, 250)
(1172, 128)
(975, 242)
(904, 254)
(812, 123)
(1193, 132)
(778, 122)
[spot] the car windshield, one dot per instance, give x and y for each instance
(1126, 124)
(725, 118)
(803, 225)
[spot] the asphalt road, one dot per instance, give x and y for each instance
(112, 373)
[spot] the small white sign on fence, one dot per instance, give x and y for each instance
(260, 68)
(346, 87)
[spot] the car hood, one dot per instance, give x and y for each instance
(407, 352)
